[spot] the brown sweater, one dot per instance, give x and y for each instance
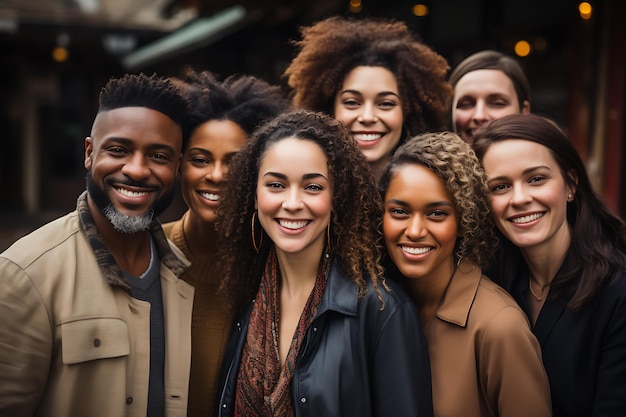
(210, 325)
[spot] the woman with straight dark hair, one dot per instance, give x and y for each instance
(563, 259)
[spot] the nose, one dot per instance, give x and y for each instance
(368, 114)
(480, 113)
(416, 228)
(217, 173)
(293, 200)
(136, 167)
(519, 196)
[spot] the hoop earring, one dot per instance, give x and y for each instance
(256, 247)
(458, 265)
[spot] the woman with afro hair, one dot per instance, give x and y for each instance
(221, 117)
(376, 77)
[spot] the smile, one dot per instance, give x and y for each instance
(293, 225)
(415, 251)
(527, 219)
(367, 137)
(210, 196)
(129, 193)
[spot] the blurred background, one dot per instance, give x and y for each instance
(56, 55)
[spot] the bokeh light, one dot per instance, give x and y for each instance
(355, 6)
(585, 10)
(522, 48)
(420, 10)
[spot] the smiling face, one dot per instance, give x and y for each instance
(369, 104)
(529, 194)
(211, 147)
(481, 96)
(132, 158)
(294, 196)
(420, 225)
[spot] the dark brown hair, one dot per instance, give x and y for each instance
(598, 243)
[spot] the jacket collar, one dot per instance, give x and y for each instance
(341, 293)
(111, 271)
(460, 294)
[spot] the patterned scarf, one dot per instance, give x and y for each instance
(263, 386)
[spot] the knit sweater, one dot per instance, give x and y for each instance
(210, 325)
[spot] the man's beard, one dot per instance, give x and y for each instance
(122, 222)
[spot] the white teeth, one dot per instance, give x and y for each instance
(293, 225)
(526, 219)
(366, 137)
(210, 196)
(128, 193)
(415, 251)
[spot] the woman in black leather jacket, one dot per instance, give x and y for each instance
(324, 334)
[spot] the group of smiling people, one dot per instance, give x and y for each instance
(395, 241)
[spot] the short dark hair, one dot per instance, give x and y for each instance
(490, 59)
(153, 92)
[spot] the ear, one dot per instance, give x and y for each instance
(526, 107)
(88, 152)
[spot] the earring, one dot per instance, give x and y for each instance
(569, 197)
(256, 247)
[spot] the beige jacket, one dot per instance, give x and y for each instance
(485, 361)
(74, 345)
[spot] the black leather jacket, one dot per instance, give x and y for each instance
(355, 359)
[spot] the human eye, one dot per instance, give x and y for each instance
(116, 150)
(499, 102)
(387, 104)
(465, 104)
(199, 160)
(314, 187)
(438, 215)
(397, 212)
(275, 185)
(537, 179)
(498, 188)
(161, 157)
(350, 102)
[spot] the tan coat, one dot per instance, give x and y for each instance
(71, 344)
(484, 359)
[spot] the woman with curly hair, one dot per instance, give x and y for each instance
(325, 334)
(376, 77)
(484, 359)
(563, 253)
(487, 85)
(221, 117)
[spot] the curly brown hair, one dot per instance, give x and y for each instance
(355, 236)
(454, 161)
(331, 48)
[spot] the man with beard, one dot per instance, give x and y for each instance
(94, 320)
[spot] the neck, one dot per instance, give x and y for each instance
(299, 270)
(199, 235)
(378, 167)
(427, 291)
(544, 261)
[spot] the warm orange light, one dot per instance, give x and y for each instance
(522, 48)
(420, 10)
(585, 10)
(60, 54)
(540, 44)
(355, 6)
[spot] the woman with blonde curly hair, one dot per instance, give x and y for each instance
(485, 361)
(300, 242)
(376, 77)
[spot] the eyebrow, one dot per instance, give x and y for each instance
(433, 204)
(304, 177)
(131, 144)
(382, 93)
(524, 172)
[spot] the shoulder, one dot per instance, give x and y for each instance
(49, 237)
(496, 310)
